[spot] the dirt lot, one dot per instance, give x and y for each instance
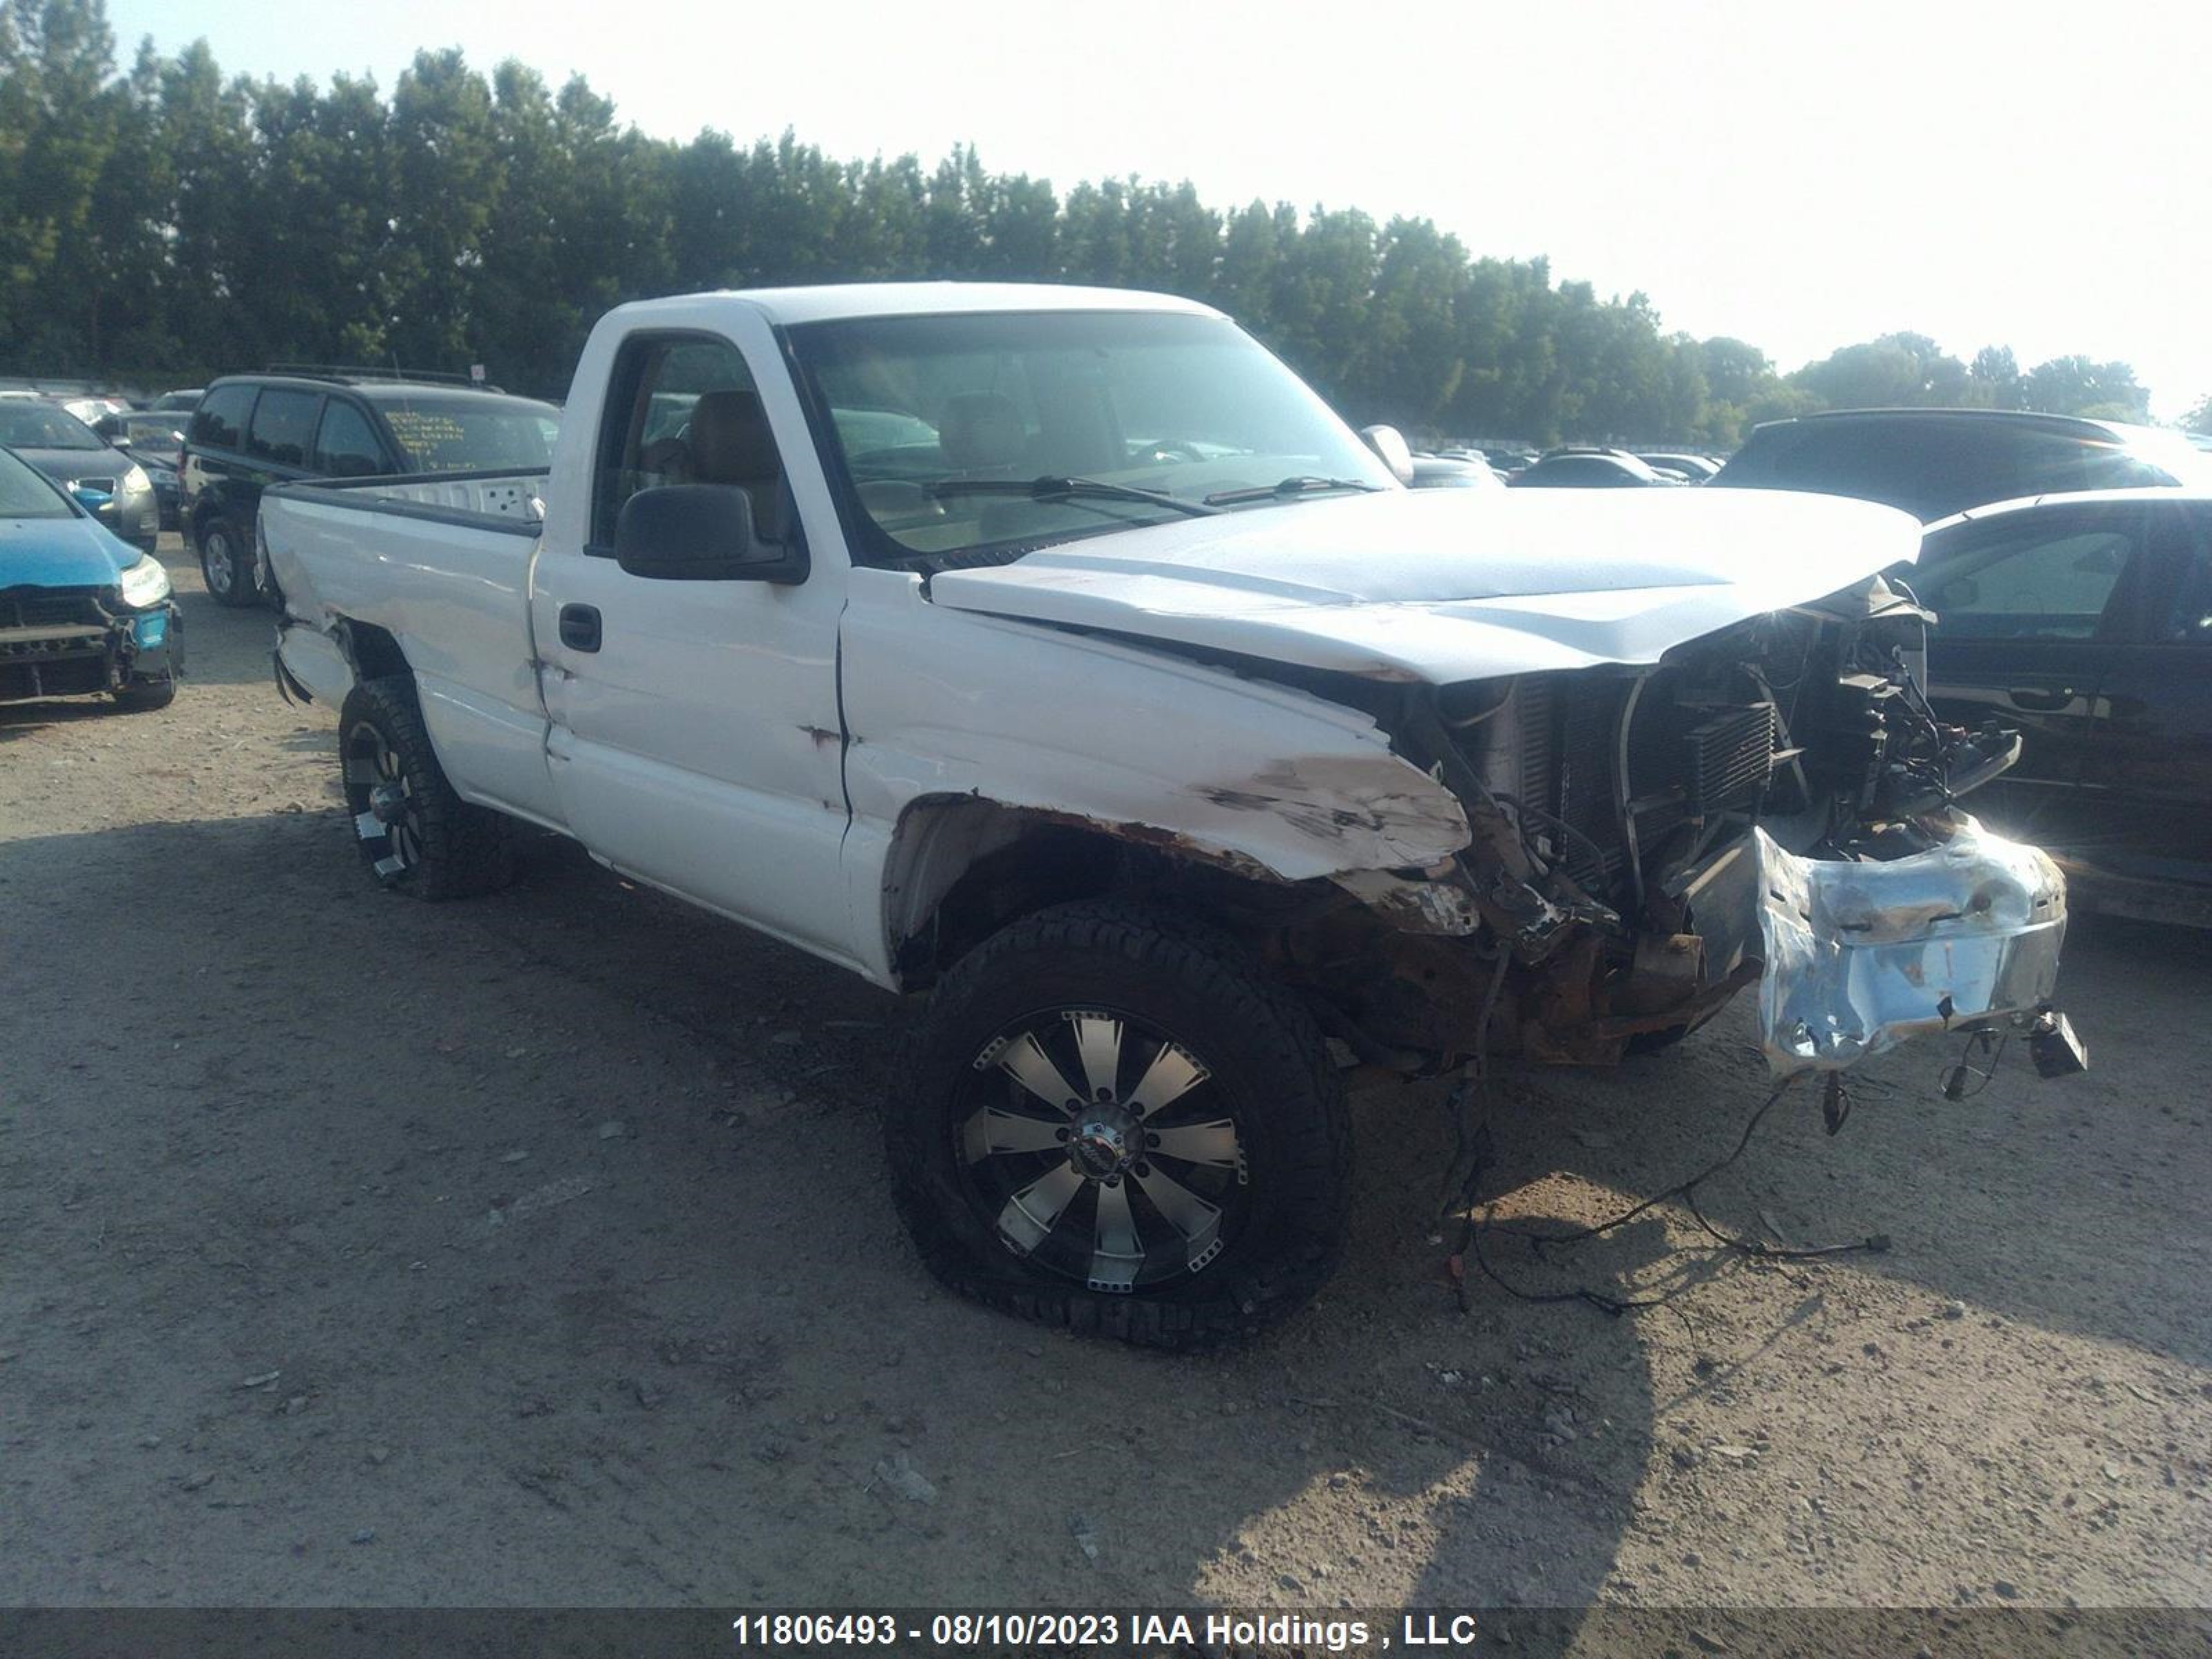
(535, 1250)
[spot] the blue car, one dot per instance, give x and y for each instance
(82, 612)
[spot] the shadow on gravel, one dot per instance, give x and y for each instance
(598, 1175)
(22, 720)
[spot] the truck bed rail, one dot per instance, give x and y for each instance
(506, 502)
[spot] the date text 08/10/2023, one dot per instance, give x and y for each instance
(1083, 1630)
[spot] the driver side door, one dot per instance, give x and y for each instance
(2033, 610)
(695, 739)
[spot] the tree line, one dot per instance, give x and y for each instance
(166, 222)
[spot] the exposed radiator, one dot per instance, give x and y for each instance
(1726, 759)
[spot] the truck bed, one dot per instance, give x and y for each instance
(441, 562)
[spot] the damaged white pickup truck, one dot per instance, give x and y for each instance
(1059, 653)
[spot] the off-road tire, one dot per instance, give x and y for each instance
(461, 850)
(1262, 1049)
(220, 552)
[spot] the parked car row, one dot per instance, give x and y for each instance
(2072, 577)
(1582, 467)
(113, 486)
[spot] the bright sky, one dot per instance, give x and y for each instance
(1799, 173)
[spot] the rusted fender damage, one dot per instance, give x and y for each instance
(1381, 814)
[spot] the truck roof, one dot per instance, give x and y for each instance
(835, 301)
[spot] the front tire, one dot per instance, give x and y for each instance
(1110, 1120)
(227, 565)
(142, 697)
(416, 835)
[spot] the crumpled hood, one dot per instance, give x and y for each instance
(1453, 584)
(61, 553)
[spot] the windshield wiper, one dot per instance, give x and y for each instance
(1060, 490)
(1289, 489)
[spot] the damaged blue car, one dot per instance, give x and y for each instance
(82, 613)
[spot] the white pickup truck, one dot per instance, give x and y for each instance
(1058, 653)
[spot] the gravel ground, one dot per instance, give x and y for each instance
(536, 1250)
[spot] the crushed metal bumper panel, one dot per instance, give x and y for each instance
(1860, 958)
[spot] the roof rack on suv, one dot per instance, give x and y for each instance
(353, 374)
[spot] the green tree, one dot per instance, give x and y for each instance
(168, 218)
(209, 219)
(445, 182)
(1994, 379)
(1411, 373)
(57, 58)
(1896, 371)
(2079, 385)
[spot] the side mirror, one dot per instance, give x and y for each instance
(1389, 443)
(701, 533)
(108, 428)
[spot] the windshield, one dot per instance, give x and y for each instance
(472, 434)
(24, 493)
(929, 411)
(26, 425)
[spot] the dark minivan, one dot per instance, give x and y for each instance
(254, 430)
(1935, 462)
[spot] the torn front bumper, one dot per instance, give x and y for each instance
(1863, 956)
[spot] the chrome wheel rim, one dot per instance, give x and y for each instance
(1100, 1149)
(219, 565)
(385, 814)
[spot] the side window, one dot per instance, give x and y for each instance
(2052, 583)
(2185, 539)
(220, 421)
(346, 446)
(283, 427)
(682, 409)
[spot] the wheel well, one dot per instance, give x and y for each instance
(969, 868)
(374, 652)
(963, 868)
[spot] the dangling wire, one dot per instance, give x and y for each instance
(1473, 1231)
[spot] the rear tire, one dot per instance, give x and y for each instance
(227, 565)
(1205, 1097)
(416, 835)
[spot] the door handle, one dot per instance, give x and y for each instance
(2039, 700)
(580, 626)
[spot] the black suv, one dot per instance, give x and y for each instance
(1935, 462)
(254, 430)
